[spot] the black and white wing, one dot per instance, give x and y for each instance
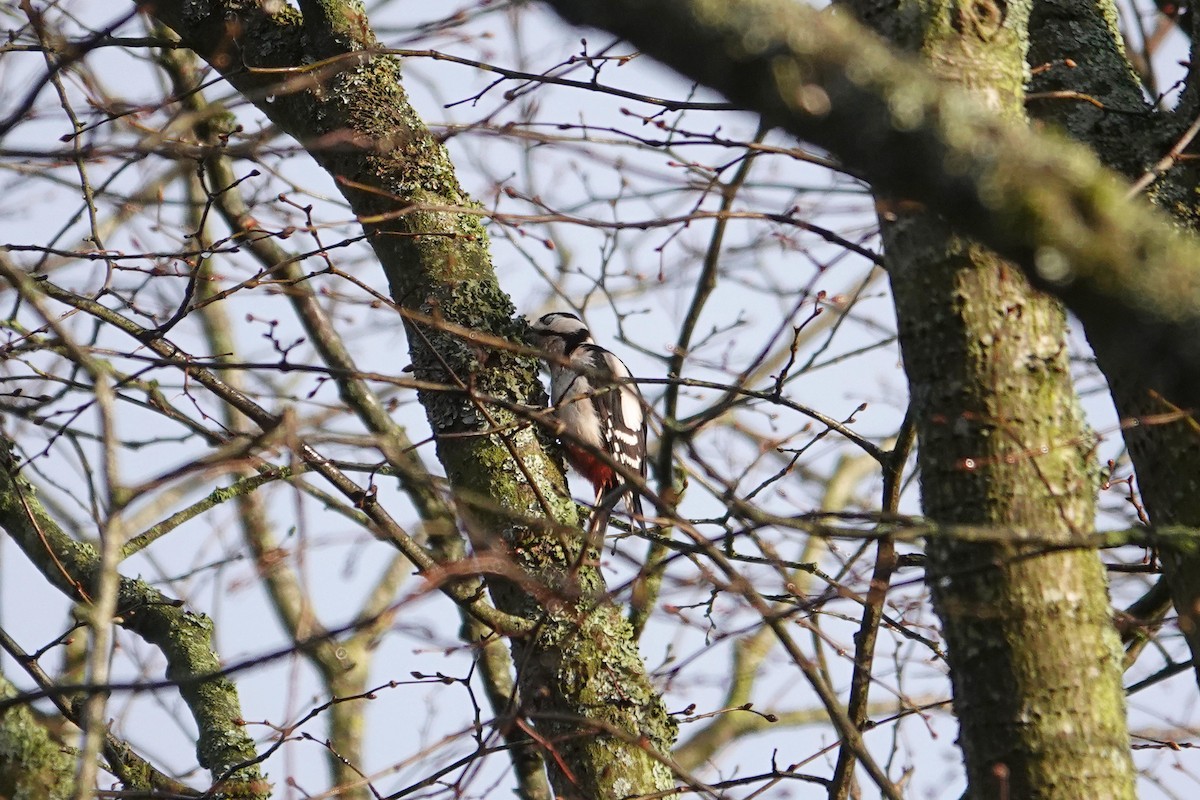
(621, 413)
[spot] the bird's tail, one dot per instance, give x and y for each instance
(633, 502)
(607, 497)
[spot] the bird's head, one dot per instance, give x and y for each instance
(558, 333)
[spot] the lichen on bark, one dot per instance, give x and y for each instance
(183, 637)
(349, 108)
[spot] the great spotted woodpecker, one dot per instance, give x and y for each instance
(600, 408)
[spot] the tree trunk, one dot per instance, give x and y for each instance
(1034, 658)
(1002, 439)
(580, 676)
(1164, 443)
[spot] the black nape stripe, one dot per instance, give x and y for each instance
(573, 340)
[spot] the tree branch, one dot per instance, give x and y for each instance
(185, 638)
(1042, 201)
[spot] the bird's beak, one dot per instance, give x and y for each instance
(531, 336)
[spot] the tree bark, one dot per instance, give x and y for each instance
(1163, 439)
(183, 637)
(1034, 658)
(580, 676)
(32, 764)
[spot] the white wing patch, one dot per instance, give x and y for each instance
(621, 412)
(596, 399)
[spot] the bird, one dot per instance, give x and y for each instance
(599, 407)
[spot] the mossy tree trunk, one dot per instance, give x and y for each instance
(580, 676)
(1130, 135)
(32, 763)
(1034, 658)
(184, 638)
